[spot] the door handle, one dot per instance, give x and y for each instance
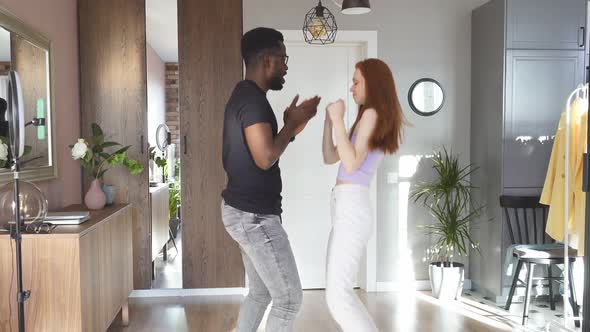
(141, 144)
(185, 144)
(583, 43)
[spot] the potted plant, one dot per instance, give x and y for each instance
(173, 205)
(96, 160)
(448, 199)
(174, 198)
(158, 161)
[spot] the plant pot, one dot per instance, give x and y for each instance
(109, 192)
(446, 281)
(95, 199)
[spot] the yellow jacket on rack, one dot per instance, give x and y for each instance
(553, 189)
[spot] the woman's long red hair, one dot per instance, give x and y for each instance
(381, 95)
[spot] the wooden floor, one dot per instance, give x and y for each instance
(407, 312)
(169, 272)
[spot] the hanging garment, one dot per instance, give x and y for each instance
(553, 189)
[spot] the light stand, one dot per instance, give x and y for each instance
(162, 142)
(21, 296)
(14, 108)
(15, 233)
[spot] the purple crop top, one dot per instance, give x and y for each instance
(364, 173)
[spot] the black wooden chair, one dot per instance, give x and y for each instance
(525, 214)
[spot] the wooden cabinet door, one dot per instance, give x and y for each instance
(209, 34)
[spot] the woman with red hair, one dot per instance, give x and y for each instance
(376, 131)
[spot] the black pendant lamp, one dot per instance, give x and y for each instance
(355, 7)
(319, 26)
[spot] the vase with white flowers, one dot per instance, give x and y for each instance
(96, 160)
(6, 160)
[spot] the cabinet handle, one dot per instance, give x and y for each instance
(185, 144)
(583, 36)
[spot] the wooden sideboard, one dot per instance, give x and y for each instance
(79, 276)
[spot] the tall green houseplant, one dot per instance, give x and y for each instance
(174, 200)
(448, 198)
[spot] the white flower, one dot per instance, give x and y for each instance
(3, 151)
(79, 150)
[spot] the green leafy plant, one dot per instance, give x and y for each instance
(173, 199)
(175, 189)
(449, 200)
(177, 169)
(94, 157)
(160, 162)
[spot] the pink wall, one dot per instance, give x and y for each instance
(156, 92)
(57, 20)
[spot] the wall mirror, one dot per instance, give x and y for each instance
(426, 97)
(29, 54)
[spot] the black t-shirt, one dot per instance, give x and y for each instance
(249, 188)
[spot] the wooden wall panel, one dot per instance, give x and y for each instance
(210, 65)
(113, 93)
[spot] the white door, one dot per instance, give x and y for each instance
(307, 183)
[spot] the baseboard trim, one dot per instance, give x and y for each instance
(178, 292)
(419, 285)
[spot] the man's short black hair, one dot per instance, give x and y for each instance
(257, 41)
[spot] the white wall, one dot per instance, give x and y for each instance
(156, 93)
(417, 38)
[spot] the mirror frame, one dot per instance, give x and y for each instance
(413, 106)
(14, 24)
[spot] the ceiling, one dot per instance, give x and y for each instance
(161, 28)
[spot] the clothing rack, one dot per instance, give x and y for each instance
(586, 189)
(580, 92)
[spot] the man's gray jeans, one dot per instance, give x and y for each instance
(270, 267)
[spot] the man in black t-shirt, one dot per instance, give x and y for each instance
(251, 206)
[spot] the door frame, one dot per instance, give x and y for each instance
(368, 41)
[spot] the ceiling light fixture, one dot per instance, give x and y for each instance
(319, 26)
(354, 7)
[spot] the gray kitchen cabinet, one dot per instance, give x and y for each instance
(537, 84)
(526, 58)
(545, 24)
